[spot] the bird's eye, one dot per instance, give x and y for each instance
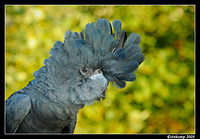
(84, 69)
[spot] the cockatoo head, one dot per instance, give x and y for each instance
(86, 62)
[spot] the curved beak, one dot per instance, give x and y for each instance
(98, 77)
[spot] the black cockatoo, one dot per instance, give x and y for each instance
(76, 74)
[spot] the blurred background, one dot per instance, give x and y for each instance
(161, 100)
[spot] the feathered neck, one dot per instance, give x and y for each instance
(46, 82)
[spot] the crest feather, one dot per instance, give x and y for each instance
(115, 54)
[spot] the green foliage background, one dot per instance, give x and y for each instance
(161, 100)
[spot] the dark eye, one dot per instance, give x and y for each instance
(84, 69)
